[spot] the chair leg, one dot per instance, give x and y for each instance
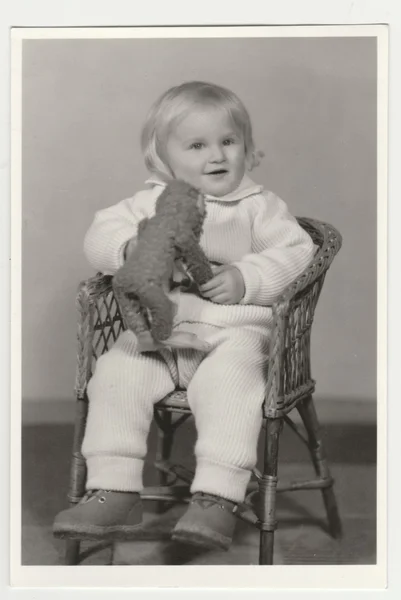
(164, 447)
(308, 414)
(268, 487)
(77, 475)
(72, 552)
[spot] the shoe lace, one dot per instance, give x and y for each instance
(206, 500)
(90, 494)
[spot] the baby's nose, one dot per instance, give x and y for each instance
(217, 154)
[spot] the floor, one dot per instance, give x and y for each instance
(301, 537)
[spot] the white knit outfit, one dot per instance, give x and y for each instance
(251, 229)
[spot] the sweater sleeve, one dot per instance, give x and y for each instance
(110, 231)
(281, 250)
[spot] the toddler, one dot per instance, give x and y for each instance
(200, 133)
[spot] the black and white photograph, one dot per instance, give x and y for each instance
(201, 219)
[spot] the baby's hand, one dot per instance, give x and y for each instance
(226, 287)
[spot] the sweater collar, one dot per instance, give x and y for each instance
(246, 188)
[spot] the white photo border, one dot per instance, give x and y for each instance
(336, 577)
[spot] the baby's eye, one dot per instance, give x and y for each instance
(196, 146)
(228, 142)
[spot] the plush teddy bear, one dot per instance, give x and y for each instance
(141, 285)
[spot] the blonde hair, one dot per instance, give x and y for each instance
(175, 104)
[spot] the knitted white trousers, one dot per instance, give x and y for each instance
(225, 391)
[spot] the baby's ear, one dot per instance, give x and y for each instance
(255, 159)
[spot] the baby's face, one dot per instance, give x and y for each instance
(207, 152)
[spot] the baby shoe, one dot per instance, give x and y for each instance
(209, 522)
(101, 514)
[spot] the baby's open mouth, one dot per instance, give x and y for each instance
(218, 172)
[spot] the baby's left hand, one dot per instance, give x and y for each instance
(226, 287)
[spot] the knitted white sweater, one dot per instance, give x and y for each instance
(250, 228)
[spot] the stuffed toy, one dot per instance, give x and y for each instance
(142, 284)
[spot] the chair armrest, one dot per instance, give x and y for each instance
(99, 324)
(293, 312)
(330, 243)
(95, 287)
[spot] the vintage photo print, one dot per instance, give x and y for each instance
(253, 439)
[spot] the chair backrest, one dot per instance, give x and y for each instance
(100, 323)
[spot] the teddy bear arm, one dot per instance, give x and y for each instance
(197, 263)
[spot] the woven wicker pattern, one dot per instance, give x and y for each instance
(289, 372)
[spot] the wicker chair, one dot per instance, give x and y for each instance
(289, 385)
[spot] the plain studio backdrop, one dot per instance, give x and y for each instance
(313, 106)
